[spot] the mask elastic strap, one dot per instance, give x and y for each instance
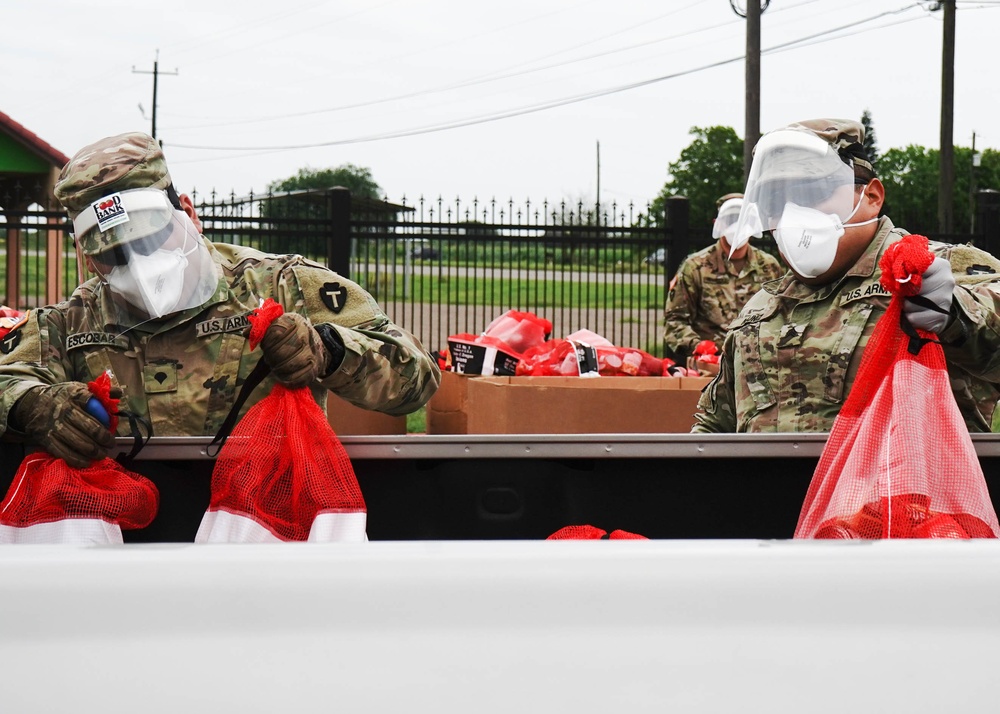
(847, 221)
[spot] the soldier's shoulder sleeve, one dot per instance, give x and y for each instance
(327, 297)
(970, 265)
(717, 404)
(31, 353)
(385, 368)
(972, 339)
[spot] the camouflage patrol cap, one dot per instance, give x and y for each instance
(723, 199)
(115, 163)
(846, 136)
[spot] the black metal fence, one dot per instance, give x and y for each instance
(441, 268)
(437, 268)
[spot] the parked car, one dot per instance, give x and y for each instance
(658, 257)
(423, 250)
(425, 253)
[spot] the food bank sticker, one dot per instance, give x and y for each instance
(110, 212)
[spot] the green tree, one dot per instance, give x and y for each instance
(910, 176)
(358, 179)
(709, 167)
(871, 146)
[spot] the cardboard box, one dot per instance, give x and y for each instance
(709, 369)
(349, 420)
(563, 405)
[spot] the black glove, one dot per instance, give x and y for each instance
(294, 350)
(55, 418)
(938, 287)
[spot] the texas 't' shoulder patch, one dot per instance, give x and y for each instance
(10, 341)
(334, 296)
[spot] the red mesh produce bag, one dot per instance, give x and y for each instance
(592, 533)
(568, 358)
(519, 330)
(282, 474)
(50, 501)
(899, 462)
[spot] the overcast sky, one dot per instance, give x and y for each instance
(467, 99)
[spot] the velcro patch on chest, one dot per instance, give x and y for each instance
(96, 339)
(863, 292)
(218, 325)
(159, 377)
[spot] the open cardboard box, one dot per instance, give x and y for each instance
(709, 369)
(563, 405)
(349, 420)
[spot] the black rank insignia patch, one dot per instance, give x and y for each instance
(334, 296)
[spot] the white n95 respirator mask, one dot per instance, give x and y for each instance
(808, 239)
(154, 283)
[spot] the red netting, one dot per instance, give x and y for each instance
(101, 389)
(592, 533)
(283, 465)
(46, 489)
(899, 462)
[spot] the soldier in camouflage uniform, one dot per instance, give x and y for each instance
(791, 356)
(710, 287)
(167, 317)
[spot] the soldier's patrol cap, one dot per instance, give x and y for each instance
(115, 163)
(845, 136)
(107, 167)
(723, 199)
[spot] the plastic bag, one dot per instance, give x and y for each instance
(50, 501)
(899, 462)
(282, 474)
(568, 358)
(519, 330)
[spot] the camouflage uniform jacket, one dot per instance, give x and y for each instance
(707, 293)
(792, 355)
(183, 372)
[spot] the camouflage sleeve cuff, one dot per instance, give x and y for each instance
(955, 334)
(10, 397)
(334, 346)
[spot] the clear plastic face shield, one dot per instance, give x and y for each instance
(148, 253)
(726, 220)
(801, 190)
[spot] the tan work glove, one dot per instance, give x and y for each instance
(54, 417)
(294, 351)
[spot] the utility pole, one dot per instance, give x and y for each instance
(946, 172)
(751, 132)
(156, 74)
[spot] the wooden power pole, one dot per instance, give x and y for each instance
(946, 171)
(156, 75)
(751, 131)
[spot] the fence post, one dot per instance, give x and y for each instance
(678, 210)
(338, 239)
(988, 220)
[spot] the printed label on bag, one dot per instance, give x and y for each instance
(586, 357)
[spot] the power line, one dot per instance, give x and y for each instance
(494, 76)
(488, 78)
(551, 104)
